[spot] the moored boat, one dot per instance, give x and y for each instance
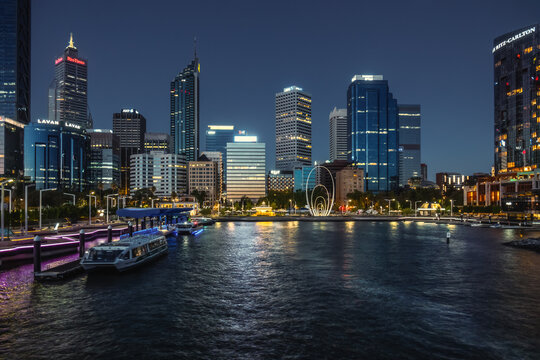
(188, 227)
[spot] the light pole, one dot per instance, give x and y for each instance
(26, 207)
(40, 196)
(90, 206)
(389, 202)
(410, 204)
(71, 195)
(153, 203)
(451, 207)
(4, 183)
(416, 211)
(107, 198)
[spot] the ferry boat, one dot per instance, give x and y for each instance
(205, 221)
(188, 228)
(126, 253)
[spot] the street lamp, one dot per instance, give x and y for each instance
(71, 195)
(389, 201)
(153, 202)
(416, 211)
(26, 207)
(107, 198)
(4, 183)
(451, 207)
(90, 206)
(410, 204)
(40, 195)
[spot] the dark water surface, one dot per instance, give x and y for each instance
(291, 290)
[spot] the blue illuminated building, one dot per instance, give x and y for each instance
(301, 176)
(55, 154)
(373, 131)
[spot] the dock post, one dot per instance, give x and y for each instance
(151, 222)
(143, 223)
(130, 226)
(137, 224)
(37, 254)
(109, 234)
(82, 245)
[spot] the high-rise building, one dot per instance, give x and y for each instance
(246, 168)
(104, 168)
(185, 111)
(56, 154)
(71, 75)
(373, 131)
(130, 126)
(423, 172)
(293, 128)
(157, 142)
(338, 134)
(280, 180)
(14, 83)
(166, 172)
(217, 137)
(516, 58)
(409, 142)
(203, 176)
(218, 158)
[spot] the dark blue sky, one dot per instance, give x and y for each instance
(434, 53)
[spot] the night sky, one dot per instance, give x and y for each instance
(437, 54)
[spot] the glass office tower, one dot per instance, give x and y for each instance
(409, 142)
(517, 100)
(246, 168)
(185, 111)
(104, 166)
(14, 83)
(373, 131)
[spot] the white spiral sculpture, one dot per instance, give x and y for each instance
(321, 206)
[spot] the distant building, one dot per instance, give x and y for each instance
(217, 137)
(338, 134)
(373, 131)
(157, 142)
(409, 142)
(14, 83)
(293, 128)
(130, 126)
(104, 165)
(327, 179)
(302, 176)
(203, 176)
(280, 180)
(218, 158)
(348, 180)
(423, 172)
(246, 168)
(55, 155)
(185, 111)
(166, 172)
(447, 180)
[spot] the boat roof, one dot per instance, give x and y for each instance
(139, 213)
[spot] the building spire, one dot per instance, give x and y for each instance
(195, 46)
(70, 45)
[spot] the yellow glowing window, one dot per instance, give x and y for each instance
(527, 50)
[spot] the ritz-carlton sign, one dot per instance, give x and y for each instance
(513, 38)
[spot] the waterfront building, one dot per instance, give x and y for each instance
(348, 180)
(373, 135)
(185, 111)
(280, 180)
(409, 142)
(14, 84)
(423, 172)
(167, 173)
(157, 142)
(130, 126)
(329, 178)
(55, 154)
(218, 158)
(70, 87)
(516, 59)
(338, 134)
(301, 175)
(447, 180)
(246, 168)
(293, 128)
(203, 175)
(104, 165)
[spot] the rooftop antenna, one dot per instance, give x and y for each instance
(195, 46)
(71, 45)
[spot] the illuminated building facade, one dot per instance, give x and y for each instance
(373, 131)
(203, 176)
(347, 181)
(157, 142)
(55, 154)
(280, 180)
(71, 75)
(246, 168)
(185, 111)
(338, 134)
(517, 100)
(130, 126)
(301, 175)
(409, 142)
(104, 165)
(293, 128)
(218, 158)
(166, 172)
(217, 137)
(448, 180)
(14, 83)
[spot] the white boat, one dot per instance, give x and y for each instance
(126, 253)
(188, 227)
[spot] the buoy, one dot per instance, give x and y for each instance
(448, 237)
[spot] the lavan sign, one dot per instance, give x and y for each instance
(514, 38)
(48, 122)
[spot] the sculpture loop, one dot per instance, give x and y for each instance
(321, 206)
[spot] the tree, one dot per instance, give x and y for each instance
(200, 195)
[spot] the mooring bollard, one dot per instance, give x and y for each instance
(37, 254)
(130, 226)
(109, 234)
(82, 245)
(448, 237)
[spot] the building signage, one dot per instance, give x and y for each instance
(76, 61)
(47, 122)
(513, 38)
(71, 125)
(58, 61)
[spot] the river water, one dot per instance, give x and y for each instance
(292, 290)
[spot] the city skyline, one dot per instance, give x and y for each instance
(424, 74)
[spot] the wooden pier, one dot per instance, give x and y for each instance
(60, 272)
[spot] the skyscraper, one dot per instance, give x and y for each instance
(246, 168)
(338, 134)
(185, 111)
(293, 128)
(104, 165)
(71, 75)
(373, 131)
(157, 142)
(409, 142)
(14, 83)
(516, 57)
(217, 137)
(130, 126)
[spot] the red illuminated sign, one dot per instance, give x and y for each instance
(76, 61)
(58, 61)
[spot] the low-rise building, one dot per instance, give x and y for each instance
(203, 175)
(348, 180)
(280, 180)
(166, 172)
(447, 180)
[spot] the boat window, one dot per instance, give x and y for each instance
(103, 255)
(139, 251)
(125, 256)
